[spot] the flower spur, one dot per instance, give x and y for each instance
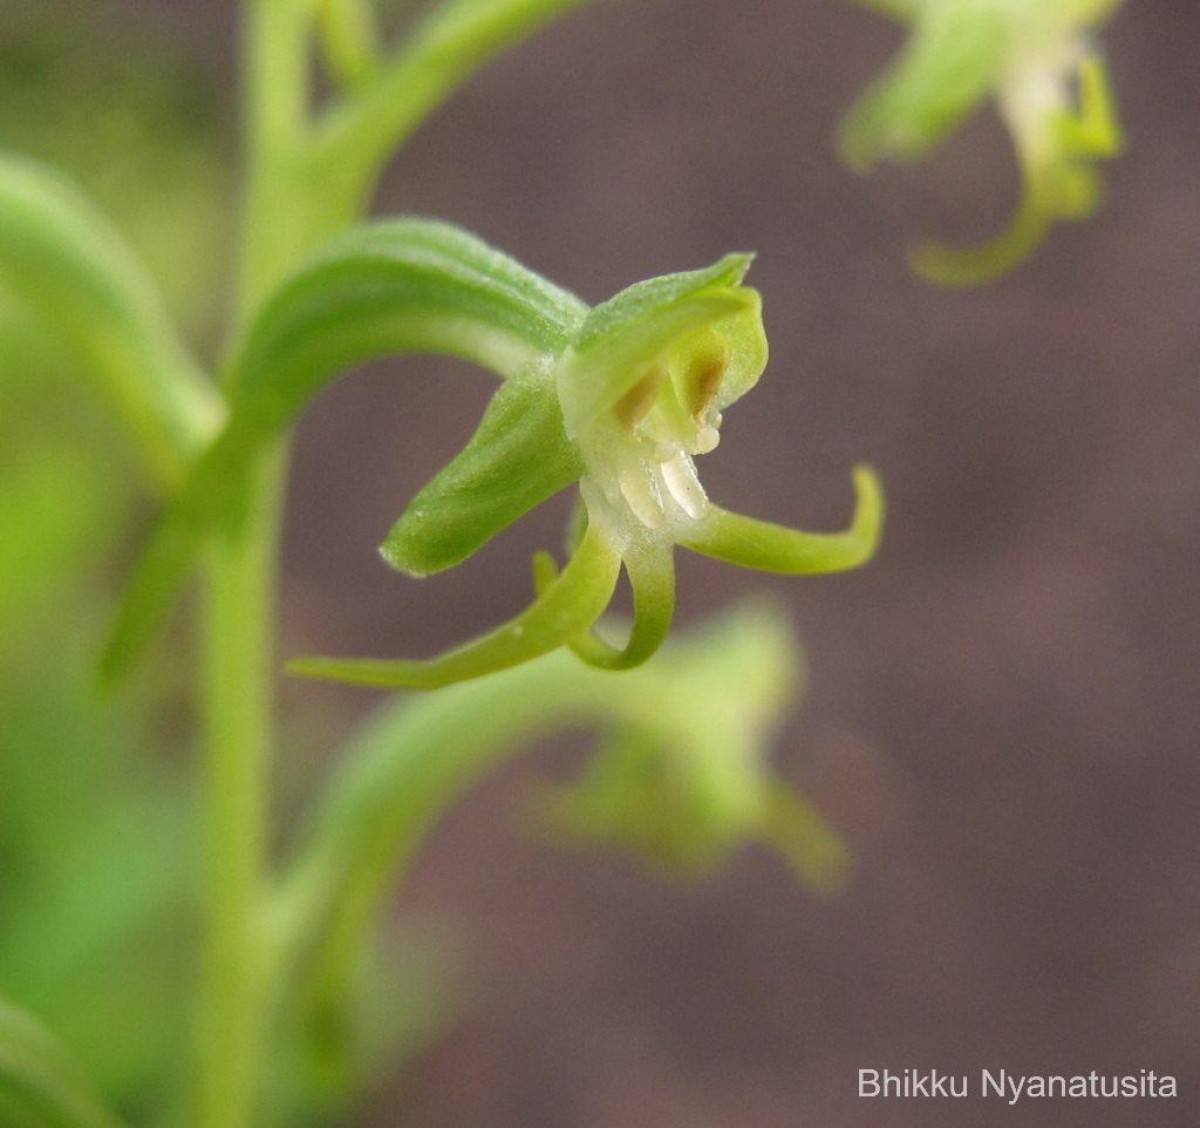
(624, 411)
(1039, 61)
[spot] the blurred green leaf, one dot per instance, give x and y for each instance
(64, 259)
(93, 92)
(40, 1085)
(681, 776)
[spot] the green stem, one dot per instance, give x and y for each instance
(238, 703)
(239, 613)
(358, 136)
(294, 199)
(276, 84)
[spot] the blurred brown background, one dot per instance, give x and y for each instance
(1003, 713)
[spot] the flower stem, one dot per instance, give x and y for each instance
(239, 611)
(238, 673)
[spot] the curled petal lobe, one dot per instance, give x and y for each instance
(774, 548)
(651, 571)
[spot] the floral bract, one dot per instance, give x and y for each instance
(624, 410)
(1038, 60)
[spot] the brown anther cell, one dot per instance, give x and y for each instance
(705, 375)
(633, 406)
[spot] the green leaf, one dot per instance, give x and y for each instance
(947, 68)
(40, 1084)
(393, 287)
(774, 548)
(517, 459)
(63, 258)
(567, 607)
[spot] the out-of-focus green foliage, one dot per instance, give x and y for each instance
(681, 777)
(133, 124)
(95, 846)
(41, 1086)
(62, 258)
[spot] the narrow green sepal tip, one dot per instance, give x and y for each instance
(567, 606)
(768, 547)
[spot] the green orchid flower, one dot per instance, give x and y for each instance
(624, 410)
(683, 778)
(1038, 60)
(620, 399)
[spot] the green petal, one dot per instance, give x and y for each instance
(517, 459)
(954, 57)
(1095, 130)
(568, 606)
(774, 548)
(651, 570)
(649, 298)
(973, 266)
(630, 332)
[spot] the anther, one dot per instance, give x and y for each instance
(636, 403)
